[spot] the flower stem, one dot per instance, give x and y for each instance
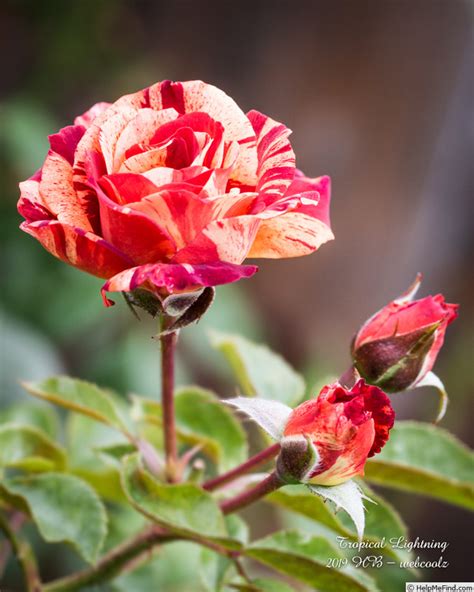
(24, 554)
(168, 348)
(112, 563)
(269, 484)
(252, 462)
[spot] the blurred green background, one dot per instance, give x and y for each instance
(378, 95)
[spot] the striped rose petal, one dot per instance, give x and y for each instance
(172, 278)
(79, 248)
(175, 174)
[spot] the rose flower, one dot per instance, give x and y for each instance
(327, 440)
(170, 189)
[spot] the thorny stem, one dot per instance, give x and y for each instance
(112, 563)
(24, 554)
(252, 462)
(168, 348)
(269, 484)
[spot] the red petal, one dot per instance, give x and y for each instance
(132, 233)
(176, 277)
(81, 249)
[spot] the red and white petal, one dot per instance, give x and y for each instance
(228, 239)
(30, 204)
(290, 235)
(133, 233)
(90, 115)
(181, 213)
(176, 277)
(83, 250)
(66, 140)
(351, 461)
(146, 161)
(139, 130)
(276, 159)
(206, 182)
(192, 96)
(58, 194)
(109, 132)
(197, 96)
(301, 230)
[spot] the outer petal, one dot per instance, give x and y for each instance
(276, 159)
(66, 140)
(176, 277)
(401, 319)
(58, 194)
(30, 204)
(88, 117)
(440, 332)
(299, 231)
(81, 249)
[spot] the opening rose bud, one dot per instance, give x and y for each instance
(398, 346)
(170, 189)
(327, 440)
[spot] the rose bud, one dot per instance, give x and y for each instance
(327, 440)
(397, 348)
(170, 189)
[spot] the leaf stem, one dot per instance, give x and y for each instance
(24, 554)
(112, 563)
(269, 484)
(168, 349)
(248, 465)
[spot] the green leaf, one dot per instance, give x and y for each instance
(201, 419)
(425, 459)
(260, 371)
(200, 413)
(37, 415)
(84, 437)
(172, 569)
(78, 395)
(305, 557)
(382, 520)
(65, 509)
(271, 416)
(28, 448)
(214, 568)
(262, 585)
(299, 499)
(347, 496)
(185, 509)
(115, 452)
